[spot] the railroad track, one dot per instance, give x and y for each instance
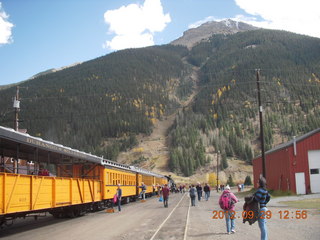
(175, 227)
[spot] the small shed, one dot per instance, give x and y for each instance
(292, 166)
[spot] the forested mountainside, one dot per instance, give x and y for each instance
(226, 110)
(115, 96)
(101, 105)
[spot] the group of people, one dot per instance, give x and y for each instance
(261, 197)
(227, 202)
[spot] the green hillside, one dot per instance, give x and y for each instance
(114, 96)
(101, 105)
(226, 110)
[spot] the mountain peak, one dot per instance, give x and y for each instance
(195, 35)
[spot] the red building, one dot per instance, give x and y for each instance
(292, 166)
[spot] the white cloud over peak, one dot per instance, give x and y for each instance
(198, 23)
(299, 16)
(5, 27)
(134, 25)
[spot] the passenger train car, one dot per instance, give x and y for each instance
(73, 183)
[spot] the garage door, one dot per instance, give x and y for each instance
(314, 168)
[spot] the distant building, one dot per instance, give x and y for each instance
(292, 166)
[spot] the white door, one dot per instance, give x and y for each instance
(300, 183)
(314, 170)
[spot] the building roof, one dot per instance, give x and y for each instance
(291, 142)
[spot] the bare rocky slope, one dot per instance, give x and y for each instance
(195, 35)
(153, 150)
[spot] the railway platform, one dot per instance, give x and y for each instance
(151, 221)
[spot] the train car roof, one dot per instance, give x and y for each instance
(9, 137)
(146, 172)
(109, 163)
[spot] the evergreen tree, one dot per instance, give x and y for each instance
(224, 162)
(247, 181)
(230, 181)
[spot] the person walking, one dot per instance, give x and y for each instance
(119, 195)
(262, 197)
(227, 203)
(192, 193)
(206, 190)
(199, 191)
(165, 195)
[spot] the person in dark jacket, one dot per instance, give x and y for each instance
(262, 197)
(192, 192)
(165, 194)
(119, 196)
(199, 191)
(206, 190)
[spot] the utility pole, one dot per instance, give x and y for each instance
(218, 170)
(261, 125)
(16, 106)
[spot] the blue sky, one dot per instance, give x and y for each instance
(36, 35)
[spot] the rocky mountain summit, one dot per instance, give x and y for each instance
(202, 33)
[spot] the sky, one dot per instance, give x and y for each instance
(37, 35)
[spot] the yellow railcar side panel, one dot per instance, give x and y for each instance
(41, 192)
(21, 193)
(148, 181)
(2, 192)
(17, 194)
(127, 181)
(63, 193)
(126, 191)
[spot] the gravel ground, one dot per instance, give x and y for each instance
(140, 221)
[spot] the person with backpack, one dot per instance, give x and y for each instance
(227, 203)
(192, 193)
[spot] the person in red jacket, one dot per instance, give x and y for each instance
(165, 194)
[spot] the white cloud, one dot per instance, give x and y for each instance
(134, 25)
(299, 16)
(5, 27)
(198, 23)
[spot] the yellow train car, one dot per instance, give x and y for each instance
(40, 176)
(27, 193)
(150, 180)
(115, 174)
